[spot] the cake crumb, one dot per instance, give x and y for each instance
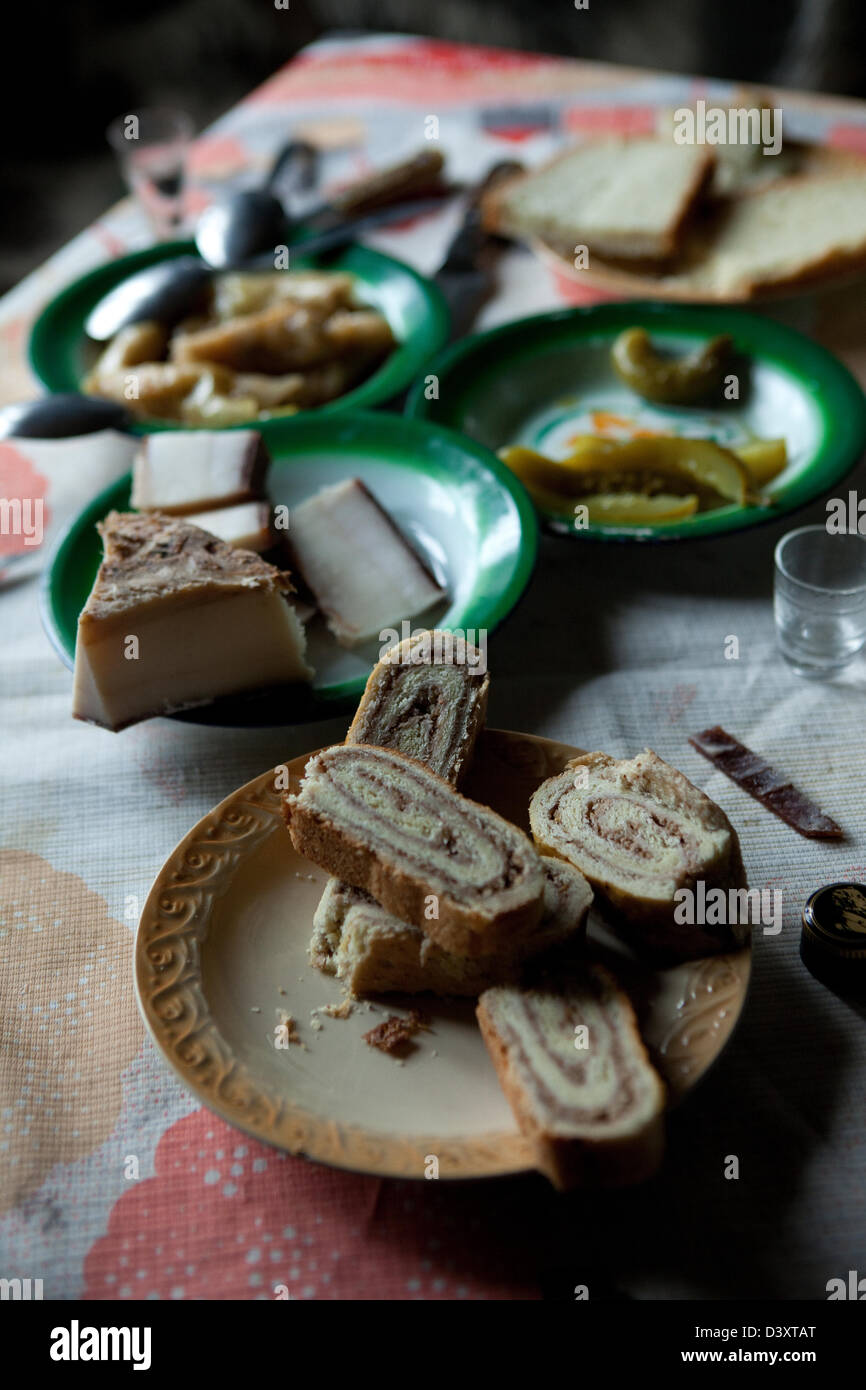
(291, 1027)
(315, 1022)
(255, 1009)
(395, 1034)
(342, 1010)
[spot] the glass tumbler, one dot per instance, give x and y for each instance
(152, 146)
(820, 599)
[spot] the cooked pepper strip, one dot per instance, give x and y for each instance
(765, 784)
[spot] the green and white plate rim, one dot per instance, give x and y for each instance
(463, 510)
(509, 385)
(60, 352)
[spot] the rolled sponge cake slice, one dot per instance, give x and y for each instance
(385, 823)
(572, 1064)
(640, 831)
(373, 952)
(427, 698)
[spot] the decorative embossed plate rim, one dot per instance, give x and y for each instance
(687, 1012)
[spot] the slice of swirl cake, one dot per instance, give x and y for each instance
(385, 823)
(427, 698)
(570, 1059)
(641, 832)
(373, 952)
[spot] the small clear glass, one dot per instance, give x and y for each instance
(820, 599)
(152, 146)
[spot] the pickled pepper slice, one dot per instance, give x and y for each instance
(756, 776)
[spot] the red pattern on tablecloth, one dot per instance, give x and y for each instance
(845, 136)
(217, 156)
(108, 239)
(611, 120)
(396, 70)
(225, 1217)
(20, 482)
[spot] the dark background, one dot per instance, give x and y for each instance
(72, 66)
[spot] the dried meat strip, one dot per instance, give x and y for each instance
(765, 784)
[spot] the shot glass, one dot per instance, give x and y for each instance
(820, 599)
(152, 146)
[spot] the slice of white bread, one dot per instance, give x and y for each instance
(373, 952)
(741, 166)
(571, 1062)
(790, 232)
(426, 697)
(625, 197)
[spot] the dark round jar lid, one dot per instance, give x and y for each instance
(833, 940)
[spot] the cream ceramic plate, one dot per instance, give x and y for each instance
(221, 953)
(616, 280)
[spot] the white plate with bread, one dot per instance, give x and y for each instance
(354, 961)
(646, 217)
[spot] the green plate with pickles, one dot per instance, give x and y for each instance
(791, 415)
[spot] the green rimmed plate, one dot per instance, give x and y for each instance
(460, 507)
(61, 354)
(540, 380)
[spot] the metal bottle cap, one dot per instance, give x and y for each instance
(833, 940)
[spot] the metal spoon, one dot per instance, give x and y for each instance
(248, 222)
(166, 293)
(61, 417)
(173, 289)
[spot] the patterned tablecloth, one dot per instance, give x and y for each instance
(114, 1183)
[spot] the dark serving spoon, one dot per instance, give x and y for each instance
(61, 417)
(229, 233)
(170, 291)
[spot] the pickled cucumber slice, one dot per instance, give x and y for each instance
(635, 509)
(765, 459)
(670, 380)
(663, 463)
